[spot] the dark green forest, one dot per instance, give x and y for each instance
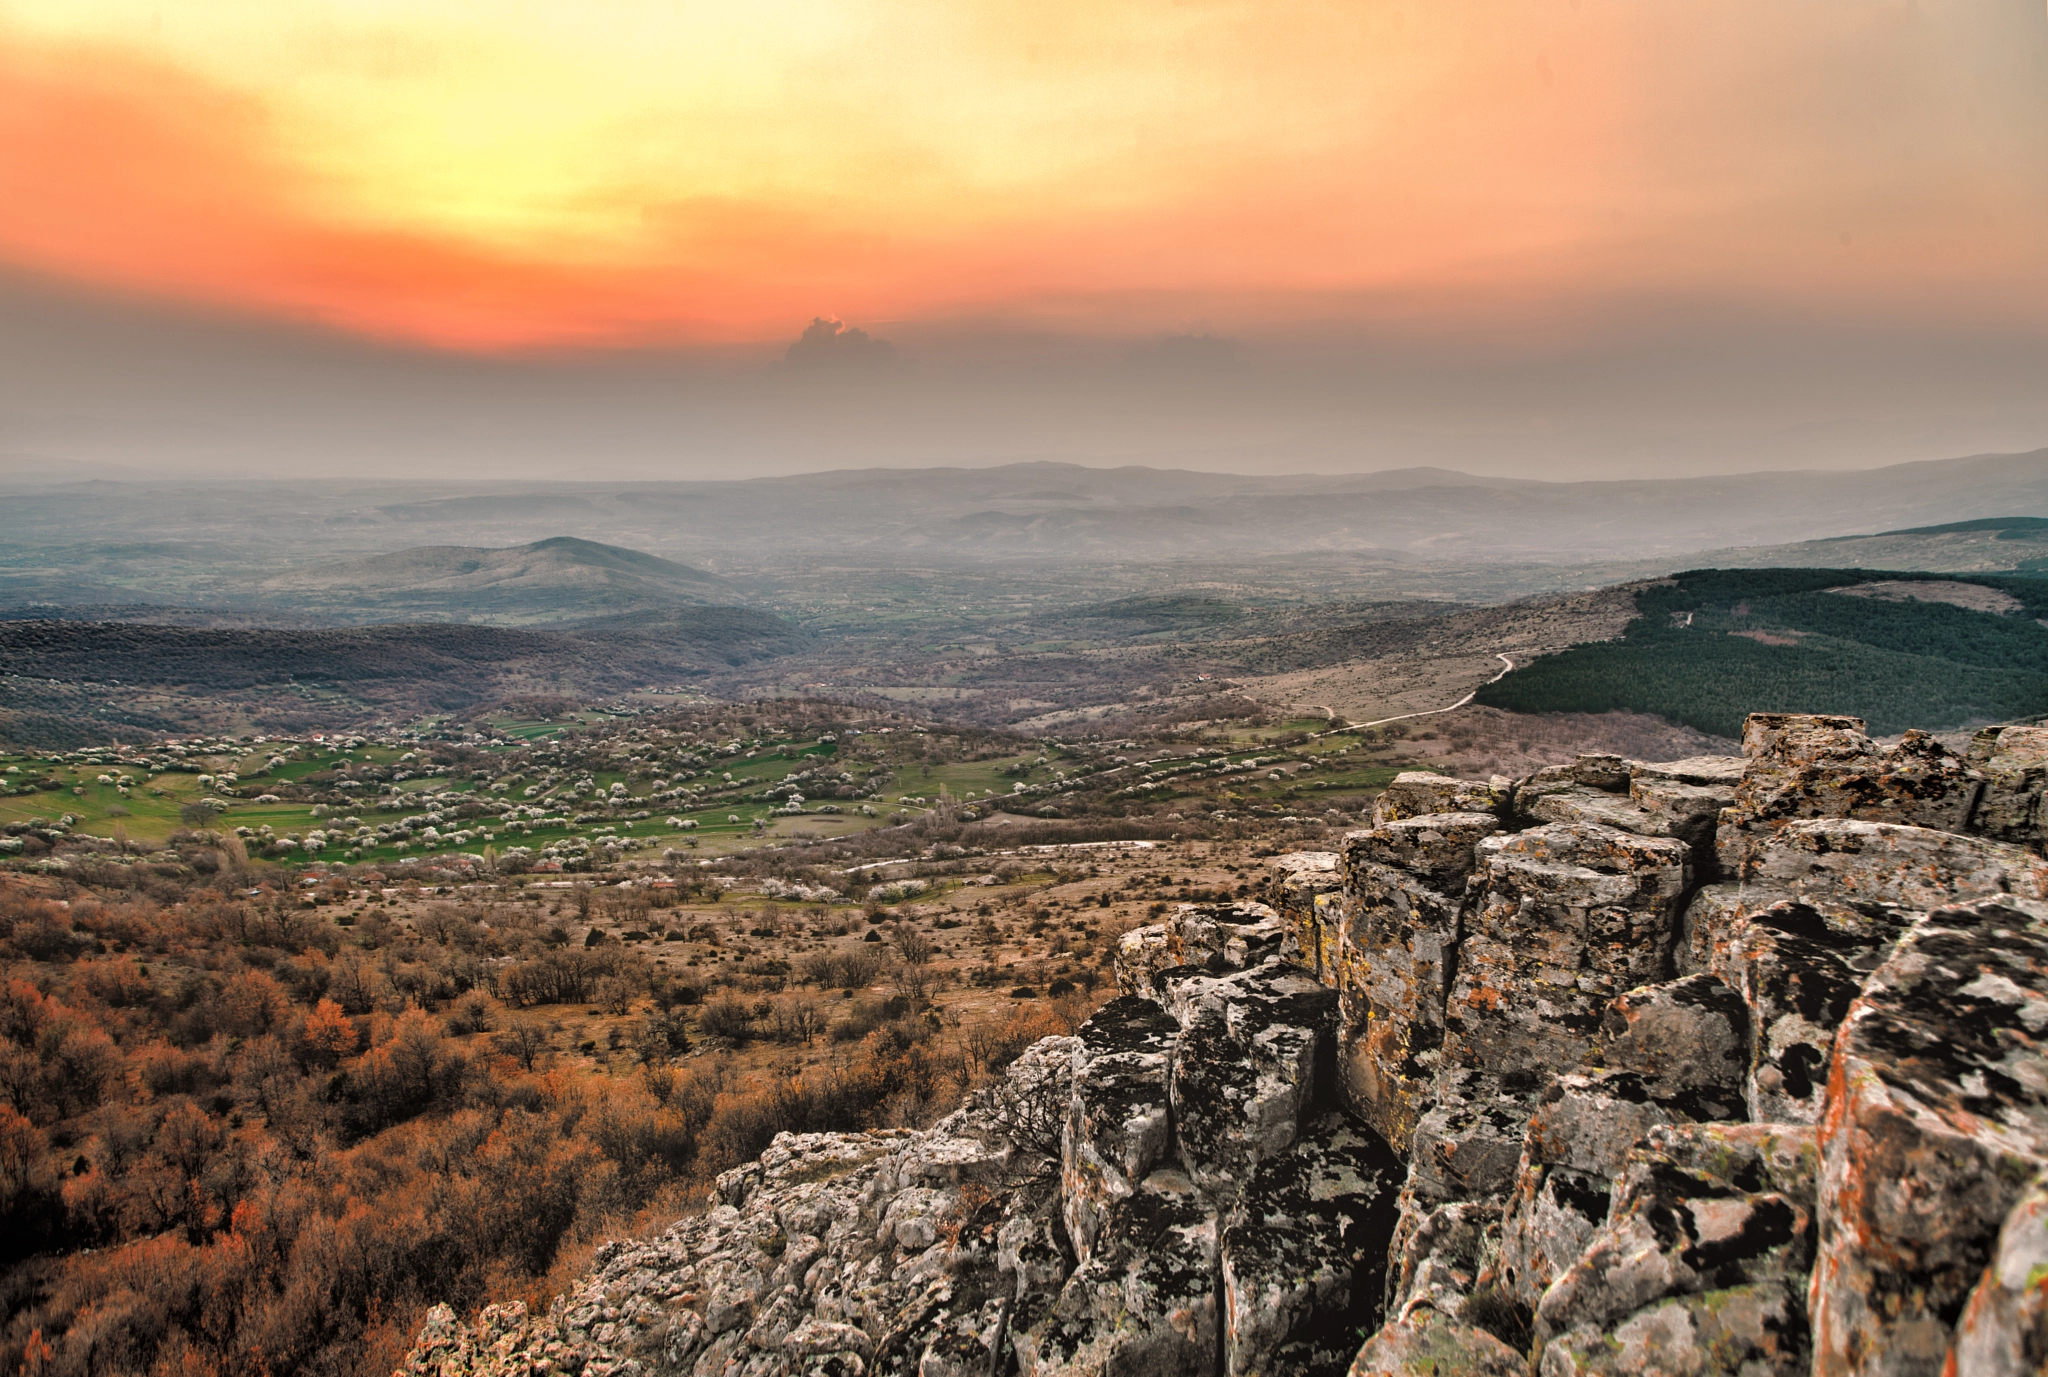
(1712, 645)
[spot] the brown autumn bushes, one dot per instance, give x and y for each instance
(233, 1140)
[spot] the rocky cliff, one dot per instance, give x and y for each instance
(1716, 1066)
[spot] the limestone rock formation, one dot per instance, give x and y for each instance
(1718, 1066)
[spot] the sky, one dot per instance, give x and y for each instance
(1559, 236)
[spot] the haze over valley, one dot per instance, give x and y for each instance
(926, 688)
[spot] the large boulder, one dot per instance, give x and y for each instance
(1467, 1146)
(1401, 919)
(1798, 978)
(1440, 1251)
(1805, 766)
(1572, 915)
(1245, 1068)
(1304, 1253)
(1429, 1343)
(1754, 1330)
(1936, 1123)
(1576, 1145)
(1118, 1128)
(1688, 1039)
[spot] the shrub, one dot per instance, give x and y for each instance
(725, 1015)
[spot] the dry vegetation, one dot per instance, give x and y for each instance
(261, 1132)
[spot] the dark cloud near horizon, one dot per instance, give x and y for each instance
(830, 344)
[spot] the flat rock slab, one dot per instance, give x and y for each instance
(1687, 810)
(1416, 792)
(1937, 1122)
(1304, 1253)
(1724, 771)
(1578, 804)
(1850, 862)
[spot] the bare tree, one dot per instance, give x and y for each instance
(524, 1041)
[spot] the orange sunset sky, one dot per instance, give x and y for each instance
(1555, 237)
(510, 173)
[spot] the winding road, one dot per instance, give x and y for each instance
(1431, 712)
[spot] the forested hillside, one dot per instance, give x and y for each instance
(1709, 645)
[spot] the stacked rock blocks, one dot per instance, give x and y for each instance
(1724, 1065)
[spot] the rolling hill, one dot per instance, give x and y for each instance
(549, 580)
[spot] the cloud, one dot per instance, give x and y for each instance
(828, 344)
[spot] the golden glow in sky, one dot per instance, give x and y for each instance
(536, 172)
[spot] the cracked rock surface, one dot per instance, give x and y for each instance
(1720, 1066)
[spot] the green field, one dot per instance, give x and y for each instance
(142, 802)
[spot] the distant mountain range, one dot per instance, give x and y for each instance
(1041, 509)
